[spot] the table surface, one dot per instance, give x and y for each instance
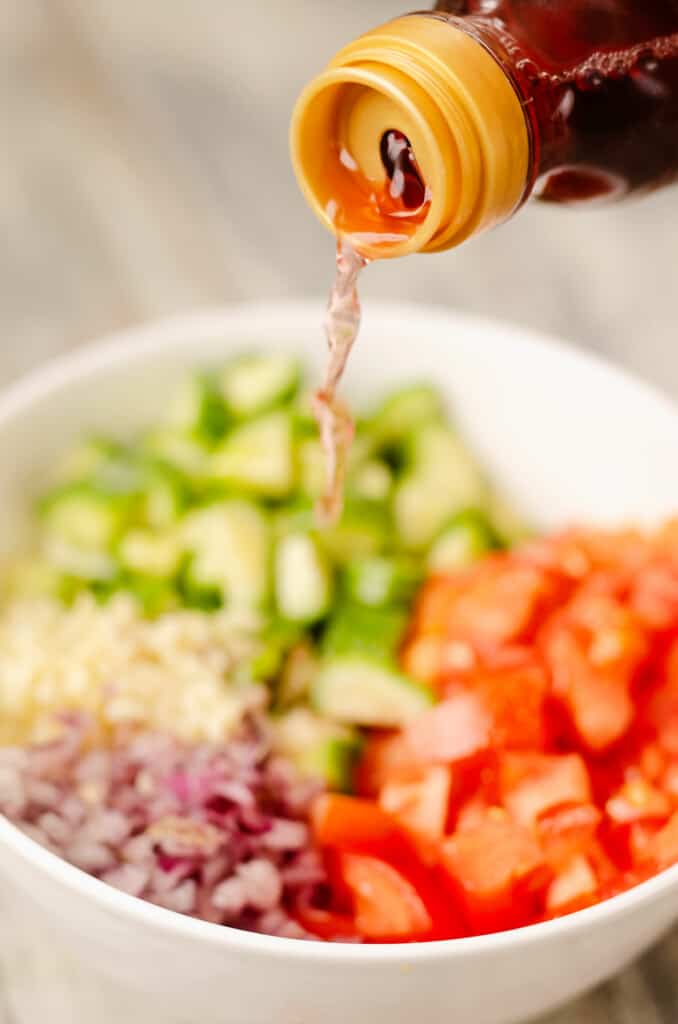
(144, 171)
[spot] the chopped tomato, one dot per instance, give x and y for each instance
(567, 832)
(421, 807)
(663, 848)
(638, 800)
(533, 784)
(386, 905)
(573, 889)
(326, 924)
(597, 696)
(497, 867)
(513, 694)
(454, 730)
(349, 823)
(386, 757)
(654, 597)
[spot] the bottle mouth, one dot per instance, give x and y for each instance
(392, 148)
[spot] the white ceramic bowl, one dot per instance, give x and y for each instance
(570, 439)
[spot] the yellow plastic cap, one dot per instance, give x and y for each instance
(426, 77)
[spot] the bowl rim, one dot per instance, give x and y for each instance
(140, 341)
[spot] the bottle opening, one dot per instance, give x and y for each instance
(411, 140)
(407, 187)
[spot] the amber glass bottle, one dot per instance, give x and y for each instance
(440, 124)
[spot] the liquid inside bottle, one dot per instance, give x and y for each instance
(599, 83)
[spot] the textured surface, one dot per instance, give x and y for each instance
(144, 171)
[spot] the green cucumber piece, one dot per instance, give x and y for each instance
(381, 581)
(319, 748)
(199, 409)
(82, 461)
(303, 580)
(258, 457)
(151, 553)
(366, 692)
(184, 453)
(401, 413)
(442, 480)
(372, 481)
(252, 384)
(82, 516)
(467, 538)
(229, 545)
(363, 530)
(356, 629)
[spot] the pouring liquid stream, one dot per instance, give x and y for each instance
(398, 204)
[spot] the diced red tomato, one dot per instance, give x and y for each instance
(663, 849)
(654, 597)
(497, 866)
(638, 801)
(386, 757)
(568, 832)
(574, 888)
(386, 905)
(534, 784)
(597, 697)
(326, 924)
(454, 730)
(422, 807)
(349, 823)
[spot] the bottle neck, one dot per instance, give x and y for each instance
(417, 100)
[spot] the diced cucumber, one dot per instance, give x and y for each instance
(150, 553)
(258, 457)
(303, 580)
(443, 479)
(403, 412)
(305, 424)
(276, 640)
(467, 538)
(372, 481)
(319, 748)
(230, 547)
(164, 500)
(82, 516)
(251, 384)
(180, 450)
(382, 580)
(508, 526)
(363, 530)
(87, 564)
(361, 691)
(154, 595)
(298, 672)
(200, 410)
(356, 629)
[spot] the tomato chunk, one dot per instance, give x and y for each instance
(533, 784)
(597, 696)
(663, 848)
(567, 832)
(574, 888)
(422, 807)
(350, 823)
(636, 801)
(497, 866)
(386, 905)
(454, 730)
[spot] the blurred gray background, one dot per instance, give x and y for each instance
(144, 171)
